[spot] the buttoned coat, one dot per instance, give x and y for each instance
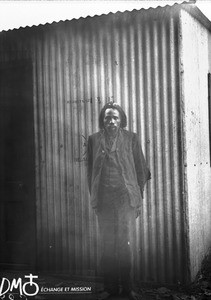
(131, 160)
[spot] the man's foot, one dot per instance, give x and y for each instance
(104, 295)
(131, 295)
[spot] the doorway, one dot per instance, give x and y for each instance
(17, 173)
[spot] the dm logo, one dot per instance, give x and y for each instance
(16, 286)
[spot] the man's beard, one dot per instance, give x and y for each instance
(112, 130)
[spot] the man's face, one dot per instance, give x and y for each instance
(112, 121)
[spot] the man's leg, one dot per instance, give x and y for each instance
(108, 231)
(126, 228)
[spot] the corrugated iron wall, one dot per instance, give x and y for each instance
(196, 123)
(131, 58)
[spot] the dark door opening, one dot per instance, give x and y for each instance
(17, 175)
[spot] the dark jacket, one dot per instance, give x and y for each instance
(131, 160)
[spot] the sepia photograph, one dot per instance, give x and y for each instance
(105, 150)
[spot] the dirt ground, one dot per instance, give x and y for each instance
(64, 288)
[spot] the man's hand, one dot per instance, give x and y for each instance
(138, 212)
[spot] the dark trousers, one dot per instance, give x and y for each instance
(117, 223)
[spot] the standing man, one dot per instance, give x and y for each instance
(117, 173)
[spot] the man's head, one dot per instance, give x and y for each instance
(111, 121)
(112, 117)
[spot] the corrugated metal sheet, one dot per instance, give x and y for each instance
(190, 6)
(131, 58)
(196, 123)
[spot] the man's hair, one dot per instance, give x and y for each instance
(112, 105)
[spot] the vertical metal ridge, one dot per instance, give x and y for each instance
(165, 138)
(88, 128)
(116, 63)
(158, 156)
(176, 180)
(70, 179)
(37, 146)
(76, 128)
(153, 107)
(132, 76)
(48, 144)
(168, 201)
(73, 106)
(45, 142)
(98, 102)
(101, 64)
(149, 155)
(42, 206)
(67, 152)
(141, 232)
(49, 75)
(110, 76)
(124, 72)
(61, 107)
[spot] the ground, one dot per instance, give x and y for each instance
(200, 289)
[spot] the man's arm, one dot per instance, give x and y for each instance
(142, 171)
